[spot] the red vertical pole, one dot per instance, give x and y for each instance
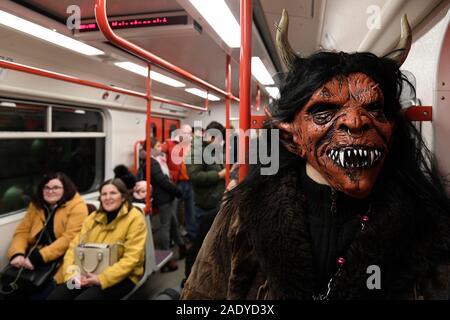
(136, 156)
(148, 83)
(258, 97)
(206, 102)
(244, 83)
(227, 120)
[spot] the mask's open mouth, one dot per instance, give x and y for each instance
(355, 156)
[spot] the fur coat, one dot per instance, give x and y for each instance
(259, 247)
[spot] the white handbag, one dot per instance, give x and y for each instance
(95, 257)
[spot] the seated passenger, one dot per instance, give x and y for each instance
(54, 217)
(116, 222)
(140, 191)
(122, 172)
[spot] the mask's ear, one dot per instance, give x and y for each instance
(289, 138)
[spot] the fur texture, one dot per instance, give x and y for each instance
(402, 237)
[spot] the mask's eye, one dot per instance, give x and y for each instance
(375, 106)
(376, 109)
(323, 113)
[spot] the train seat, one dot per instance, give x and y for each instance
(154, 259)
(92, 205)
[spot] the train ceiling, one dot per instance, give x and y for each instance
(330, 24)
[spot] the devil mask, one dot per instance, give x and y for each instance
(343, 133)
(341, 111)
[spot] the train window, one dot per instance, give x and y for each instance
(80, 153)
(172, 129)
(79, 158)
(22, 117)
(68, 119)
(152, 130)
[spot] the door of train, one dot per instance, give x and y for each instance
(170, 125)
(156, 128)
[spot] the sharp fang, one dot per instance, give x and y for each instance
(360, 153)
(341, 158)
(372, 157)
(349, 153)
(365, 153)
(355, 152)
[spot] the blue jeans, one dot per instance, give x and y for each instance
(188, 198)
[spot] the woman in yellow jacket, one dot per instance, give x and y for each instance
(54, 217)
(116, 222)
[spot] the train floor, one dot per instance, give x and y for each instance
(158, 282)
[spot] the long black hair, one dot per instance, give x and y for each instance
(69, 189)
(409, 164)
(308, 75)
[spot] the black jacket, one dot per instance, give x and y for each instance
(163, 190)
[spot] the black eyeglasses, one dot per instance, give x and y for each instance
(55, 188)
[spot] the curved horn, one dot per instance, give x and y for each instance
(284, 48)
(400, 53)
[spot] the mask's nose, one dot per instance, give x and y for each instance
(354, 121)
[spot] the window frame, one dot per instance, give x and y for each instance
(49, 134)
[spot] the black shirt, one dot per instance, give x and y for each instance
(46, 236)
(49, 230)
(110, 216)
(332, 230)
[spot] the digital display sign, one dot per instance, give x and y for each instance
(137, 23)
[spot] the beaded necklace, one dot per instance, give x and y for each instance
(340, 261)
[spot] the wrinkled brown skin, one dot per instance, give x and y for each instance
(355, 119)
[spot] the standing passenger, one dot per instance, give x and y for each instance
(164, 193)
(208, 181)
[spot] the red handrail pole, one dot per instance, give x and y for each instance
(63, 77)
(136, 156)
(206, 102)
(148, 175)
(102, 21)
(418, 113)
(258, 97)
(244, 83)
(179, 104)
(227, 120)
(66, 78)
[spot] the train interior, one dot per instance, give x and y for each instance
(88, 127)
